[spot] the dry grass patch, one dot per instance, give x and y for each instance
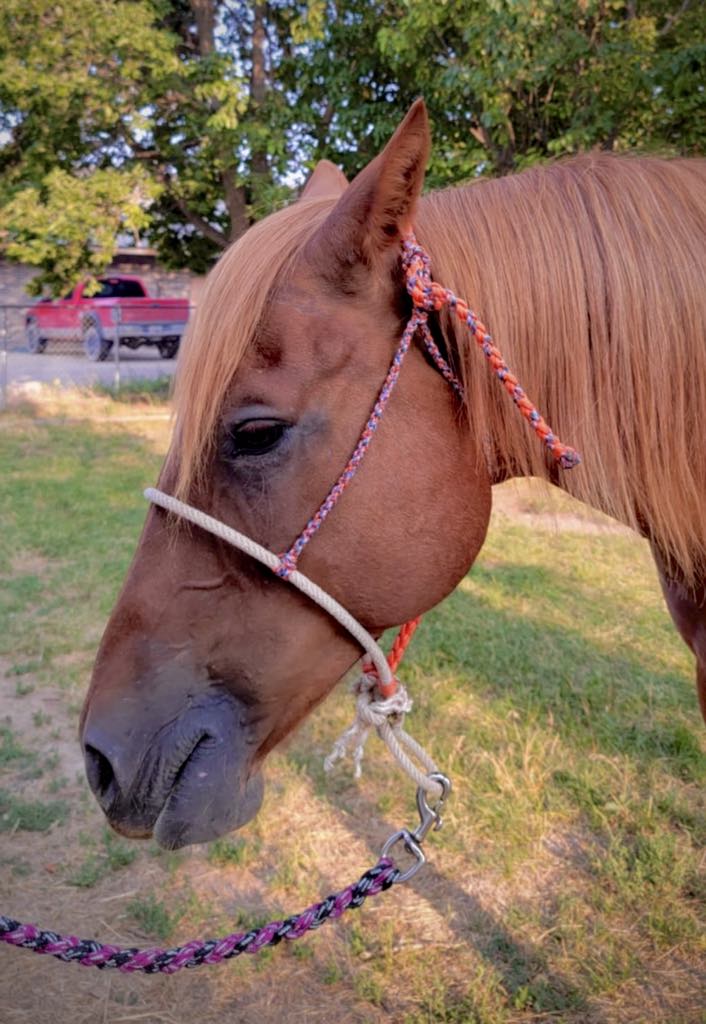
(139, 407)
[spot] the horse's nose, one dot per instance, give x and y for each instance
(100, 774)
(115, 769)
(185, 779)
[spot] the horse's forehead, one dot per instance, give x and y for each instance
(310, 328)
(302, 296)
(307, 320)
(298, 341)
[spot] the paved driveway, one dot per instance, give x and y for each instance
(74, 368)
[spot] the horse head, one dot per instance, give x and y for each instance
(209, 660)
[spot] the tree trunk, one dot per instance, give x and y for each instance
(258, 83)
(233, 194)
(236, 205)
(205, 15)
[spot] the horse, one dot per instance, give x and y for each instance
(589, 272)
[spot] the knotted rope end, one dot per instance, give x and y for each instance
(428, 295)
(374, 710)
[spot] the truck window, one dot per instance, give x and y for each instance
(115, 288)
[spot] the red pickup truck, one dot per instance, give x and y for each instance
(121, 309)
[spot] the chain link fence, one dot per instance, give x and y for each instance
(86, 343)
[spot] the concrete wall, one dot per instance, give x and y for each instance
(13, 279)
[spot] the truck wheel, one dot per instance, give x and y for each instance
(168, 348)
(35, 342)
(94, 344)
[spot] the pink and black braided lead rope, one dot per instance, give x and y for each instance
(428, 295)
(90, 953)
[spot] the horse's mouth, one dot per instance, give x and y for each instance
(196, 812)
(189, 782)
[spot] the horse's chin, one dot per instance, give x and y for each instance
(190, 816)
(193, 814)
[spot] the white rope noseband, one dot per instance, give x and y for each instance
(385, 716)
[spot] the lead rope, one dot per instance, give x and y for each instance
(384, 874)
(129, 960)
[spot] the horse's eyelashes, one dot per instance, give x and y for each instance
(254, 437)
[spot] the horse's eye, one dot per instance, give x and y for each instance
(255, 437)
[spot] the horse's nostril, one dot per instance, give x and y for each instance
(99, 770)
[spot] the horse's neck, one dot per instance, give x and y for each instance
(603, 329)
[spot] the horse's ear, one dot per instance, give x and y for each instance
(326, 180)
(377, 208)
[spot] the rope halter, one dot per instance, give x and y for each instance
(381, 700)
(428, 296)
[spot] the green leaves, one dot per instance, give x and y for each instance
(541, 78)
(68, 225)
(215, 116)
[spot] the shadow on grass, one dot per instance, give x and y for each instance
(617, 700)
(614, 700)
(609, 699)
(523, 972)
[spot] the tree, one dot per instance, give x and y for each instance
(517, 81)
(189, 119)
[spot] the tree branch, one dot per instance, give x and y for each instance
(672, 19)
(480, 134)
(201, 224)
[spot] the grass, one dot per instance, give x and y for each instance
(567, 884)
(29, 815)
(61, 506)
(10, 747)
(154, 917)
(113, 856)
(236, 852)
(139, 392)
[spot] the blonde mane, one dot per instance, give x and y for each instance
(589, 274)
(232, 305)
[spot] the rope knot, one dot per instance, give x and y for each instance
(372, 712)
(385, 715)
(428, 295)
(286, 566)
(376, 709)
(417, 271)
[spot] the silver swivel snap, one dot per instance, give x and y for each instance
(429, 818)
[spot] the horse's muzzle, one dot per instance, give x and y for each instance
(187, 782)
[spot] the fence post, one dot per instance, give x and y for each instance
(116, 315)
(3, 358)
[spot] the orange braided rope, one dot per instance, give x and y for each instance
(397, 651)
(428, 295)
(401, 641)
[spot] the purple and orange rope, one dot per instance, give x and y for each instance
(428, 295)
